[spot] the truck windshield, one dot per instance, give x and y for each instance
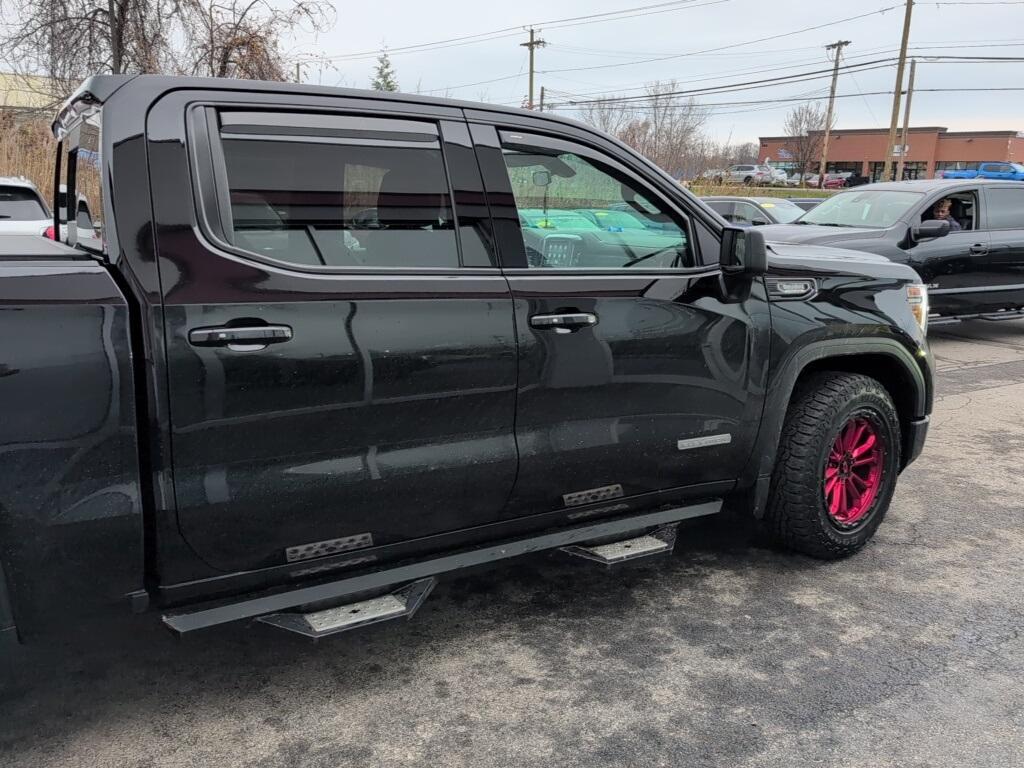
(20, 204)
(875, 209)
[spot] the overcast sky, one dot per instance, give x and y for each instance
(577, 56)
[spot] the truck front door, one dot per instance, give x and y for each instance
(637, 376)
(340, 342)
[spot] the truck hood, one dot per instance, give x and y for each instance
(806, 260)
(813, 233)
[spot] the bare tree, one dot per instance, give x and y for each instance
(804, 128)
(662, 126)
(68, 40)
(241, 38)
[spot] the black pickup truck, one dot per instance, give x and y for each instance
(965, 239)
(323, 346)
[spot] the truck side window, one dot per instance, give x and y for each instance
(340, 197)
(1005, 208)
(578, 213)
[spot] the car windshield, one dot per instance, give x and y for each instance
(876, 209)
(20, 204)
(781, 210)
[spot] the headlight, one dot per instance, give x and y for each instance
(917, 298)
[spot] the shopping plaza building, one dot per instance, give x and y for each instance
(928, 151)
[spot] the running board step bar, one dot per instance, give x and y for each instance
(221, 612)
(402, 602)
(659, 542)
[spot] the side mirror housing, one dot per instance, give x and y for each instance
(743, 252)
(929, 230)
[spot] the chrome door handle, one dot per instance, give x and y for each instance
(978, 249)
(239, 336)
(565, 322)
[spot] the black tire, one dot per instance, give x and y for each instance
(747, 180)
(797, 515)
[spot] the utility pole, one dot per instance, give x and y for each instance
(533, 44)
(837, 46)
(897, 92)
(906, 122)
(116, 38)
(298, 72)
(542, 96)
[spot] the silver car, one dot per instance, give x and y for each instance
(22, 209)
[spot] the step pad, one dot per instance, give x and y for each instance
(659, 542)
(330, 621)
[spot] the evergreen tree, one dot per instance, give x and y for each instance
(384, 74)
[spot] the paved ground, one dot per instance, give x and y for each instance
(728, 654)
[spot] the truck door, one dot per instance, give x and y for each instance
(951, 265)
(636, 374)
(1004, 263)
(340, 340)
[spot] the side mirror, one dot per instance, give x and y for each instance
(759, 222)
(743, 252)
(930, 229)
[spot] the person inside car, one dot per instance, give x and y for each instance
(940, 212)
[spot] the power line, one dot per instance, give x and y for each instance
(731, 45)
(569, 107)
(496, 34)
(798, 77)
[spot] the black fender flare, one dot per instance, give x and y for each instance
(758, 470)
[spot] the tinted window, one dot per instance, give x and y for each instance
(1005, 208)
(724, 208)
(747, 214)
(782, 210)
(20, 204)
(576, 213)
(342, 199)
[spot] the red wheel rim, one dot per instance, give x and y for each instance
(853, 472)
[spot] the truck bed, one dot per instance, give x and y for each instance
(32, 247)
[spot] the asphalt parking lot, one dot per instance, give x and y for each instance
(729, 653)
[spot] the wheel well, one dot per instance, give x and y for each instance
(885, 370)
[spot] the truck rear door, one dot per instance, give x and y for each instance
(340, 340)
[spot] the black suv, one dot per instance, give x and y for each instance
(972, 260)
(325, 345)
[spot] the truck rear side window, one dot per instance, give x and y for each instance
(340, 197)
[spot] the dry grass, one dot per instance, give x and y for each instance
(28, 149)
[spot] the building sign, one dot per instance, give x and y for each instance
(785, 154)
(900, 150)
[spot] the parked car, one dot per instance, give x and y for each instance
(22, 209)
(1001, 171)
(975, 271)
(754, 211)
(384, 346)
(749, 175)
(776, 176)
